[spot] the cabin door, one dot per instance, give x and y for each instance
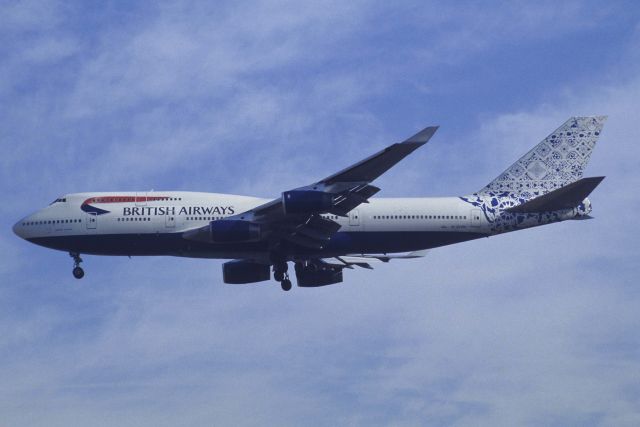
(354, 217)
(476, 217)
(92, 221)
(141, 199)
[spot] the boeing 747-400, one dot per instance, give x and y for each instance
(325, 227)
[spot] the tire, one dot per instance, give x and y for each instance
(78, 273)
(286, 285)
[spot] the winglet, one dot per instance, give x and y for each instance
(423, 136)
(373, 166)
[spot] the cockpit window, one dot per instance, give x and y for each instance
(60, 200)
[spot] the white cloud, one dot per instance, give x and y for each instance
(182, 54)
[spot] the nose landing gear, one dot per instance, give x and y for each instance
(78, 272)
(280, 275)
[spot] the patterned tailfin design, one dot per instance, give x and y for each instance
(558, 160)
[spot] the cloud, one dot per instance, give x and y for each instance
(207, 53)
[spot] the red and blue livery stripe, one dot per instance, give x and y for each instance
(87, 205)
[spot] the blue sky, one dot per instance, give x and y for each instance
(537, 327)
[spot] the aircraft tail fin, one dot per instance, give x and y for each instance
(556, 161)
(566, 197)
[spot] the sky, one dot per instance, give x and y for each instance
(534, 328)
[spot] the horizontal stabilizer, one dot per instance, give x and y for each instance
(566, 197)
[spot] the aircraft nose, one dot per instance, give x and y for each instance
(18, 229)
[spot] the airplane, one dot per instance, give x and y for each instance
(328, 226)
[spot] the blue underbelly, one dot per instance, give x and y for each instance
(173, 244)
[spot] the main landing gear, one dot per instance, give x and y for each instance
(78, 272)
(286, 284)
(280, 275)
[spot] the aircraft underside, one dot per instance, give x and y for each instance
(173, 244)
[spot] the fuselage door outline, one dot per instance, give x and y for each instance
(476, 217)
(354, 218)
(141, 199)
(92, 221)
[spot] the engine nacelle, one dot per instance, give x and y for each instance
(313, 276)
(240, 272)
(232, 230)
(302, 202)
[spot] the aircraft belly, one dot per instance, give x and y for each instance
(395, 241)
(173, 244)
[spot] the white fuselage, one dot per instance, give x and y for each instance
(153, 223)
(187, 210)
(110, 223)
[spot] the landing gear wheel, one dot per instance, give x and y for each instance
(278, 276)
(286, 285)
(78, 272)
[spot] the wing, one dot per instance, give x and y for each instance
(299, 215)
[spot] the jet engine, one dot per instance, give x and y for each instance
(234, 231)
(313, 275)
(304, 202)
(239, 272)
